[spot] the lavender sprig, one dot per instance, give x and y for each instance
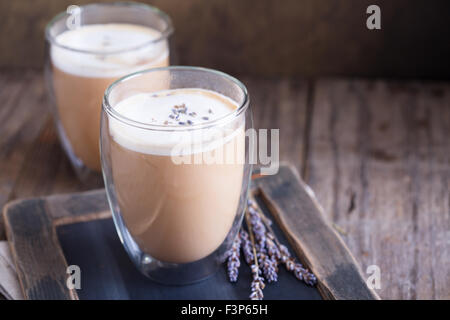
(258, 284)
(234, 261)
(268, 265)
(258, 226)
(297, 268)
(263, 253)
(279, 252)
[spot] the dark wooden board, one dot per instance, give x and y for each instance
(47, 234)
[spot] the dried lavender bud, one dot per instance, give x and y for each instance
(205, 118)
(284, 253)
(246, 247)
(299, 271)
(303, 274)
(290, 264)
(190, 122)
(257, 285)
(272, 248)
(268, 267)
(258, 227)
(234, 261)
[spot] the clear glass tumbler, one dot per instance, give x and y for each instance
(177, 189)
(87, 49)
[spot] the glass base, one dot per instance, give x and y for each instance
(179, 274)
(174, 274)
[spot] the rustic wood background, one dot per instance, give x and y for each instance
(375, 151)
(270, 37)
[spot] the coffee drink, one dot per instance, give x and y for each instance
(84, 62)
(178, 185)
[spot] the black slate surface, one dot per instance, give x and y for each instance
(108, 273)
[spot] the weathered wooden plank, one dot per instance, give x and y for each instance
(379, 164)
(282, 104)
(77, 207)
(428, 161)
(22, 115)
(301, 218)
(47, 169)
(40, 262)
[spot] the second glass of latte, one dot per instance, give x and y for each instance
(88, 48)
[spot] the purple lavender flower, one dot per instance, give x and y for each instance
(272, 248)
(234, 261)
(263, 253)
(304, 274)
(284, 252)
(268, 267)
(246, 247)
(258, 227)
(297, 268)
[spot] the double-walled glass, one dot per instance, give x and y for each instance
(89, 48)
(177, 191)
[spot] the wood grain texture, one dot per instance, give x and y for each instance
(269, 38)
(40, 262)
(299, 215)
(375, 152)
(22, 115)
(282, 104)
(379, 164)
(78, 207)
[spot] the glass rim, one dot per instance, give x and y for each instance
(106, 106)
(164, 34)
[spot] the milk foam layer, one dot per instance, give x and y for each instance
(105, 40)
(177, 107)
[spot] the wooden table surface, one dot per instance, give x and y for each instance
(377, 154)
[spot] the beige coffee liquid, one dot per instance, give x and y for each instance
(80, 79)
(178, 212)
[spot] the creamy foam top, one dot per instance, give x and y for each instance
(104, 39)
(177, 107)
